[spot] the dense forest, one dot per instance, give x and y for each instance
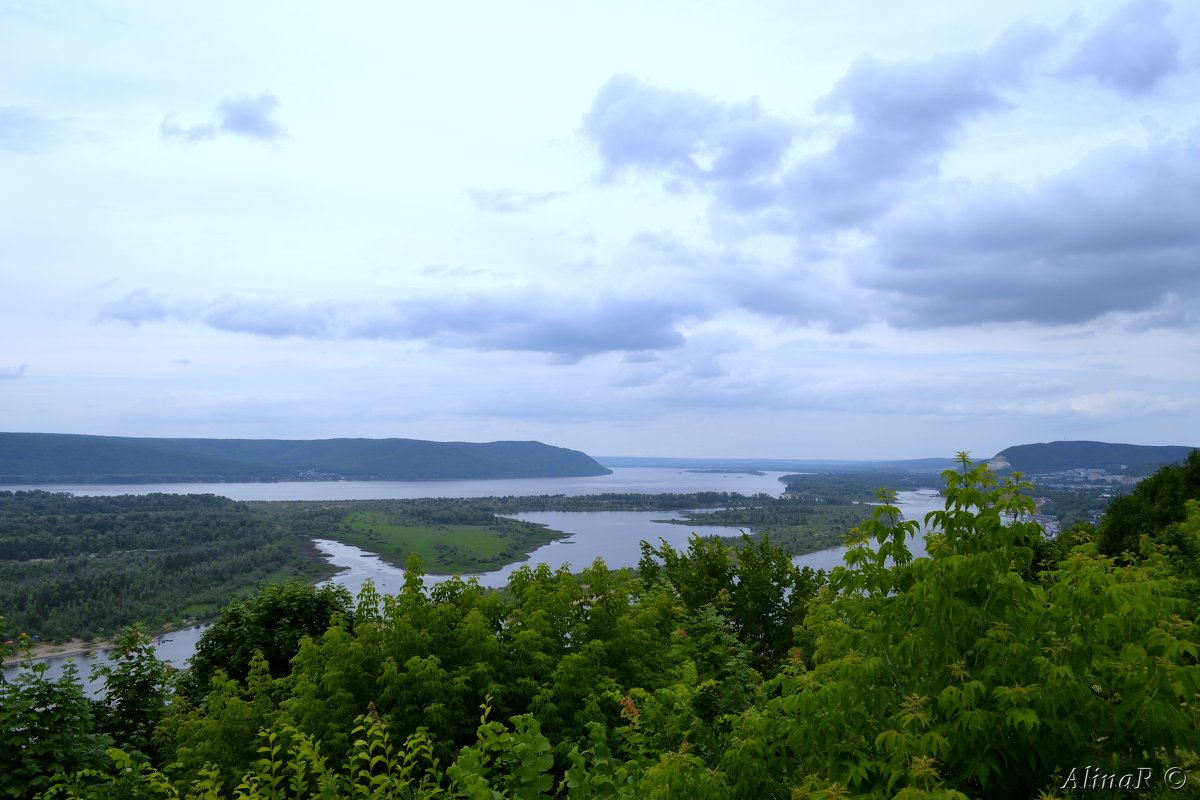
(1003, 665)
(73, 458)
(85, 567)
(795, 524)
(1131, 459)
(849, 487)
(89, 566)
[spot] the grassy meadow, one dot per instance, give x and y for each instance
(444, 548)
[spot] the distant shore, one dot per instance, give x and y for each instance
(78, 647)
(73, 647)
(40, 651)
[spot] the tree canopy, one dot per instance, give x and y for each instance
(996, 667)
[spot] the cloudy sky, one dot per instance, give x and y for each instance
(785, 229)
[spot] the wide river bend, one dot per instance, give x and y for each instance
(614, 536)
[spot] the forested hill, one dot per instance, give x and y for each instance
(1035, 459)
(71, 458)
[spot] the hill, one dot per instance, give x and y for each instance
(1036, 459)
(74, 458)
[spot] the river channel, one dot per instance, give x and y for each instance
(613, 536)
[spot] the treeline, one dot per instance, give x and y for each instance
(317, 517)
(1003, 665)
(861, 486)
(42, 525)
(89, 566)
(776, 513)
(623, 501)
(796, 524)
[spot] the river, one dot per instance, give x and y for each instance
(642, 480)
(614, 536)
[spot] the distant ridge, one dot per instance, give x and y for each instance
(76, 458)
(1034, 459)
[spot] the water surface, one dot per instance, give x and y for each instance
(641, 480)
(614, 536)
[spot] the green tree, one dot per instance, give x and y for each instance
(272, 622)
(219, 736)
(958, 675)
(757, 587)
(137, 689)
(1154, 504)
(46, 728)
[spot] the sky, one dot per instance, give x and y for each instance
(746, 229)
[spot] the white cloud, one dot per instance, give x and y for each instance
(1116, 404)
(237, 115)
(757, 230)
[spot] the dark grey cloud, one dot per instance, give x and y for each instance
(901, 118)
(272, 317)
(1130, 51)
(1116, 233)
(904, 116)
(13, 373)
(797, 293)
(242, 115)
(510, 201)
(684, 135)
(567, 327)
(23, 131)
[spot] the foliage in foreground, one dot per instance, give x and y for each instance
(984, 670)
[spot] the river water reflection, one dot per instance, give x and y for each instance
(614, 536)
(642, 480)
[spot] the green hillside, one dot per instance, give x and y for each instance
(1034, 459)
(71, 458)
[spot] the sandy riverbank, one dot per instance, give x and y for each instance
(74, 647)
(78, 647)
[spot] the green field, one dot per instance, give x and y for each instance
(444, 549)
